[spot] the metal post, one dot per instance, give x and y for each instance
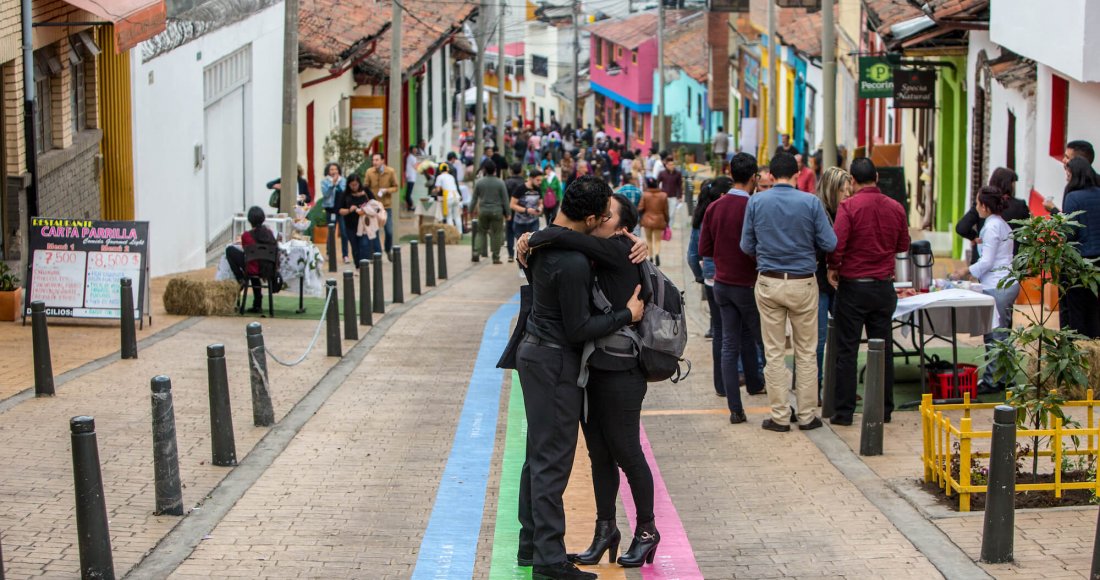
(398, 280)
(773, 83)
(262, 413)
(330, 244)
(429, 261)
(870, 435)
(224, 449)
(1, 561)
(441, 245)
(379, 289)
(332, 320)
(1000, 500)
(502, 77)
(473, 241)
(366, 317)
(395, 108)
(288, 175)
(94, 536)
(828, 71)
(126, 313)
(662, 139)
(414, 267)
(166, 461)
(351, 325)
(40, 347)
(828, 372)
(578, 107)
(482, 37)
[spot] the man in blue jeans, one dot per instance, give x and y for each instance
(734, 279)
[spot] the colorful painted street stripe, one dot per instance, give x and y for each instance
(449, 546)
(506, 531)
(675, 559)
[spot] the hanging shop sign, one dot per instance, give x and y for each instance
(749, 74)
(876, 78)
(914, 89)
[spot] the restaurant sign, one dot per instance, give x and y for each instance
(914, 89)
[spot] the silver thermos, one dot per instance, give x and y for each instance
(903, 268)
(921, 253)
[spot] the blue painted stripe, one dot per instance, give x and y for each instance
(611, 94)
(449, 546)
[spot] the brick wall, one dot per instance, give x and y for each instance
(68, 180)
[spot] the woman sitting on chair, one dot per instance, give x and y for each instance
(259, 234)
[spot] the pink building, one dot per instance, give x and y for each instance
(623, 60)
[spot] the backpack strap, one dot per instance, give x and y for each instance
(599, 299)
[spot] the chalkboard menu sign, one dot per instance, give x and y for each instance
(76, 265)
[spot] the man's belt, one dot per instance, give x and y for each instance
(866, 280)
(786, 275)
(529, 339)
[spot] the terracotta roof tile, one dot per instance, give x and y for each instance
(687, 48)
(425, 26)
(331, 30)
(631, 32)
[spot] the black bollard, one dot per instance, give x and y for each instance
(351, 327)
(223, 447)
(441, 245)
(94, 536)
(473, 241)
(1, 561)
(126, 313)
(166, 461)
(40, 346)
(332, 320)
(828, 372)
(429, 261)
(414, 267)
(330, 243)
(263, 415)
(1000, 498)
(398, 279)
(870, 435)
(379, 290)
(366, 316)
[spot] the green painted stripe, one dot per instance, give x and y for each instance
(506, 532)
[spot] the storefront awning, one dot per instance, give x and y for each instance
(132, 20)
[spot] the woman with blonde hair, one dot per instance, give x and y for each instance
(834, 187)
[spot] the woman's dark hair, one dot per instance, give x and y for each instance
(628, 214)
(336, 165)
(992, 199)
(354, 178)
(711, 191)
(586, 196)
(256, 216)
(1081, 174)
(1002, 179)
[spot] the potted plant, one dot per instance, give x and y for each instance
(11, 294)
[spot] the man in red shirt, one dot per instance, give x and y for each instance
(807, 181)
(870, 229)
(734, 280)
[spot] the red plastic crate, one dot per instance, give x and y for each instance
(941, 382)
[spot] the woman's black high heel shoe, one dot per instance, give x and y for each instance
(642, 548)
(606, 537)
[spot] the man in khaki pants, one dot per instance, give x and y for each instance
(784, 229)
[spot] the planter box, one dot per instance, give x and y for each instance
(1029, 294)
(320, 235)
(11, 305)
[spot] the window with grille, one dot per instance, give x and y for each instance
(540, 65)
(77, 97)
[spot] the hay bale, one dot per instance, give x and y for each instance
(190, 297)
(452, 235)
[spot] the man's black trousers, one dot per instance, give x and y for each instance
(862, 305)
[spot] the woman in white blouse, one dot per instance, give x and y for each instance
(995, 259)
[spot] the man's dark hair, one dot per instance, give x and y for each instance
(535, 172)
(489, 168)
(517, 168)
(863, 170)
(783, 166)
(586, 196)
(742, 167)
(452, 155)
(1084, 149)
(628, 214)
(256, 216)
(721, 128)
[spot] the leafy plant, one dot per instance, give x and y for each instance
(342, 147)
(8, 280)
(1047, 357)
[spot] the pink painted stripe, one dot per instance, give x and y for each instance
(675, 560)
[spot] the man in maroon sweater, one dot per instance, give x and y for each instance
(870, 229)
(734, 279)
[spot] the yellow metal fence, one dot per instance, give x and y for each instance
(940, 434)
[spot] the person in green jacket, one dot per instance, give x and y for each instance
(490, 201)
(551, 183)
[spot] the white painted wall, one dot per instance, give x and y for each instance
(327, 99)
(437, 96)
(1084, 123)
(546, 41)
(167, 96)
(1061, 34)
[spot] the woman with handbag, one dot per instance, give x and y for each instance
(654, 210)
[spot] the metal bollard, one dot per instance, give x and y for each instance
(351, 327)
(870, 435)
(366, 316)
(1000, 499)
(414, 267)
(473, 241)
(40, 346)
(330, 244)
(166, 461)
(332, 320)
(398, 279)
(828, 372)
(1, 561)
(126, 314)
(93, 533)
(429, 261)
(379, 289)
(223, 447)
(262, 413)
(441, 245)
